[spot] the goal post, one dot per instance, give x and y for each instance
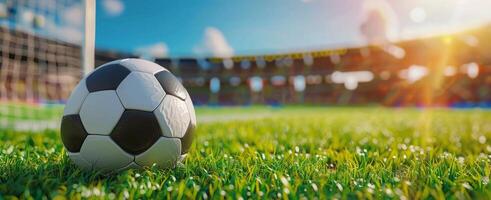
(88, 44)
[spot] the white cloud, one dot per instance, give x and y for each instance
(26, 17)
(70, 29)
(70, 34)
(73, 16)
(63, 32)
(113, 7)
(157, 50)
(214, 44)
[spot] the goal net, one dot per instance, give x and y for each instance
(41, 47)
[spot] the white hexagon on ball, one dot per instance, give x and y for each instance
(164, 153)
(189, 104)
(103, 154)
(76, 99)
(140, 91)
(173, 116)
(79, 160)
(100, 112)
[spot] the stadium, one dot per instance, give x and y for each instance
(381, 119)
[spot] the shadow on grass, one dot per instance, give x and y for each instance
(45, 179)
(49, 179)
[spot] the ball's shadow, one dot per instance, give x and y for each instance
(42, 179)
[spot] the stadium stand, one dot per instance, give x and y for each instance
(443, 70)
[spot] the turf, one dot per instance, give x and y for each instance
(283, 153)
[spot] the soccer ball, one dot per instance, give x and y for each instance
(128, 113)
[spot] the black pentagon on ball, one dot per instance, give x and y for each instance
(187, 140)
(107, 78)
(136, 131)
(73, 133)
(171, 84)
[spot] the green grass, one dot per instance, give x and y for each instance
(287, 153)
(30, 111)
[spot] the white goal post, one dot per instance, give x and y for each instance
(88, 43)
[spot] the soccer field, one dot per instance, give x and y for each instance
(288, 152)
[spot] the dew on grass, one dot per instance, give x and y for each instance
(286, 190)
(339, 186)
(314, 187)
(485, 180)
(467, 186)
(461, 160)
(284, 181)
(482, 139)
(388, 191)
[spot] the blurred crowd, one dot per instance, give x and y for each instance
(447, 70)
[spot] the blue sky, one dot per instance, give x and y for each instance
(219, 27)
